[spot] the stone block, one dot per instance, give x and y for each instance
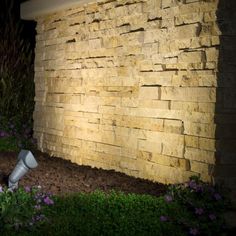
(189, 18)
(184, 164)
(164, 160)
(188, 94)
(200, 130)
(171, 150)
(210, 16)
(192, 30)
(144, 155)
(172, 144)
(129, 102)
(191, 141)
(200, 155)
(148, 146)
(184, 106)
(197, 6)
(154, 35)
(173, 126)
(109, 149)
(207, 144)
(154, 9)
(212, 54)
(194, 80)
(166, 4)
(149, 93)
(129, 152)
(215, 40)
(170, 174)
(202, 168)
(156, 78)
(91, 8)
(190, 57)
(155, 104)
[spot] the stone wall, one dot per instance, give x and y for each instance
(130, 85)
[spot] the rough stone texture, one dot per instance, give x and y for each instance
(138, 86)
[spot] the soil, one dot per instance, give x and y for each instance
(60, 177)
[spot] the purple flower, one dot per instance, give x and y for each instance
(168, 198)
(217, 196)
(193, 231)
(212, 217)
(199, 211)
(37, 207)
(48, 201)
(39, 217)
(199, 188)
(192, 184)
(27, 189)
(163, 218)
(3, 134)
(1, 189)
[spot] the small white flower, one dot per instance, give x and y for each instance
(1, 189)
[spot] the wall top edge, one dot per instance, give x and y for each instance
(31, 9)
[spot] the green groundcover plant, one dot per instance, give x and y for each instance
(22, 208)
(193, 208)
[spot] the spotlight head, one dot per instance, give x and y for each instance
(26, 161)
(27, 157)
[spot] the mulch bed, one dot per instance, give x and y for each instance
(59, 176)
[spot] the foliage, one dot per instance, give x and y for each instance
(14, 135)
(8, 144)
(193, 208)
(107, 214)
(16, 66)
(202, 207)
(22, 208)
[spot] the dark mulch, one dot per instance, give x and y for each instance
(60, 176)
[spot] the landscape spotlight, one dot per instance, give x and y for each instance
(26, 161)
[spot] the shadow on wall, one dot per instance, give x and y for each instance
(226, 96)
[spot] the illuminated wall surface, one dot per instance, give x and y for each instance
(144, 87)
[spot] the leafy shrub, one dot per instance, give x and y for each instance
(22, 208)
(14, 135)
(16, 66)
(202, 206)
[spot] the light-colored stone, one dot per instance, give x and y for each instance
(200, 130)
(188, 94)
(194, 154)
(134, 86)
(173, 126)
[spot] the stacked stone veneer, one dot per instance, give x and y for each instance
(130, 85)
